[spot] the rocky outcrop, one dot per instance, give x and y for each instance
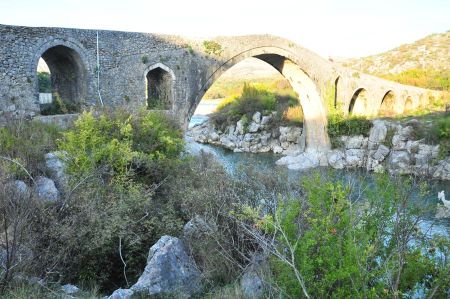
(56, 167)
(44, 189)
(169, 271)
(70, 289)
(256, 136)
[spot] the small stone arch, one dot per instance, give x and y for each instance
(69, 70)
(388, 103)
(358, 103)
(409, 104)
(159, 86)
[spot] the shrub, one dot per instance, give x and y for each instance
(338, 125)
(329, 246)
(114, 140)
(212, 47)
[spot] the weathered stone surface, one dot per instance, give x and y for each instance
(253, 127)
(240, 127)
(354, 157)
(122, 294)
(442, 170)
(356, 142)
(399, 162)
(265, 120)
(303, 161)
(56, 167)
(381, 153)
(18, 187)
(70, 289)
(257, 117)
(169, 271)
(377, 133)
(336, 159)
(45, 189)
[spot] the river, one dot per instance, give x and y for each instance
(265, 161)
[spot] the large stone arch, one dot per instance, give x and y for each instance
(165, 82)
(285, 62)
(69, 67)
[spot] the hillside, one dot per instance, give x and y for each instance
(424, 63)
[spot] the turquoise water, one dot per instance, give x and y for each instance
(266, 161)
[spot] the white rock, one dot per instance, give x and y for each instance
(354, 157)
(356, 142)
(303, 161)
(45, 189)
(257, 117)
(336, 159)
(277, 149)
(239, 127)
(122, 294)
(377, 134)
(253, 127)
(381, 153)
(399, 162)
(265, 120)
(70, 289)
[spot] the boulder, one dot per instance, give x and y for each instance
(303, 161)
(213, 136)
(354, 157)
(399, 162)
(412, 146)
(17, 188)
(265, 120)
(336, 159)
(356, 142)
(121, 294)
(377, 133)
(442, 170)
(290, 134)
(56, 167)
(45, 189)
(257, 117)
(240, 125)
(169, 271)
(70, 289)
(230, 130)
(253, 127)
(277, 149)
(381, 153)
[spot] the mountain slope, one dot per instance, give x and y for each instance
(424, 63)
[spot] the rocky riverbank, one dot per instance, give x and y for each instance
(390, 146)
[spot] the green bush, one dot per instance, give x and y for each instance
(115, 140)
(59, 106)
(44, 82)
(338, 125)
(329, 246)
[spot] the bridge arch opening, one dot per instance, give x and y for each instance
(62, 81)
(313, 107)
(336, 92)
(409, 105)
(388, 104)
(358, 103)
(159, 84)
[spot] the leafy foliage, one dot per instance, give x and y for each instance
(212, 47)
(367, 248)
(338, 125)
(44, 82)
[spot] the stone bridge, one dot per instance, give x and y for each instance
(134, 70)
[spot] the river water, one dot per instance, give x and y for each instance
(266, 161)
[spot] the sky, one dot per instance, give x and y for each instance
(342, 28)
